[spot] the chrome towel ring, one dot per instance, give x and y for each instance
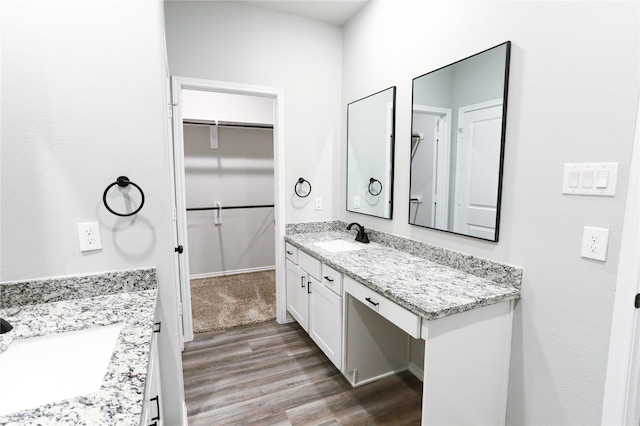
(301, 182)
(123, 182)
(371, 182)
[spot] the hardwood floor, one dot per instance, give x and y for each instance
(273, 374)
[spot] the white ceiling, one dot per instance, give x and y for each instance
(336, 12)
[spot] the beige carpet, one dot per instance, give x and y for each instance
(224, 302)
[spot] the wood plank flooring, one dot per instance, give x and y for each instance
(273, 374)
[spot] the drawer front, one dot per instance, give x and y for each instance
(310, 265)
(332, 279)
(396, 314)
(291, 252)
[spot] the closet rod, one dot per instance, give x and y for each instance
(228, 124)
(231, 207)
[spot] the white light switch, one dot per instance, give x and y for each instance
(574, 179)
(318, 203)
(603, 179)
(597, 179)
(356, 202)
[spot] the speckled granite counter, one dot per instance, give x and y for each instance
(424, 287)
(77, 306)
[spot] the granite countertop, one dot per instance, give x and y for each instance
(428, 289)
(120, 398)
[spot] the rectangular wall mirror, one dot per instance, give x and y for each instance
(370, 144)
(457, 144)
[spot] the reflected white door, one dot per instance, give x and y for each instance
(478, 165)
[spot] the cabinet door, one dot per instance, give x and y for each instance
(325, 321)
(152, 408)
(297, 297)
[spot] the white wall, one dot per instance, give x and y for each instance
(83, 103)
(572, 98)
(238, 173)
(237, 42)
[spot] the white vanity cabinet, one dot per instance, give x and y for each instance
(152, 404)
(316, 306)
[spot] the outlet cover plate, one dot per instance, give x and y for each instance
(594, 243)
(89, 236)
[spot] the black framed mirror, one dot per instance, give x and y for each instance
(370, 151)
(457, 144)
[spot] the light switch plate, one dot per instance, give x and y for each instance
(597, 179)
(594, 243)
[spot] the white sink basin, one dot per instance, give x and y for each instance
(336, 246)
(51, 368)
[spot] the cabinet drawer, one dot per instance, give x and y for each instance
(332, 279)
(310, 264)
(396, 314)
(291, 252)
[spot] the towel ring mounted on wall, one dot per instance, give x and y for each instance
(300, 182)
(122, 182)
(371, 182)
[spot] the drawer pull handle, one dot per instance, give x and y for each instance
(157, 400)
(368, 299)
(289, 252)
(302, 281)
(328, 279)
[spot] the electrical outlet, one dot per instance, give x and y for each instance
(89, 236)
(594, 243)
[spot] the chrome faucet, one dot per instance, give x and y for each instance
(361, 236)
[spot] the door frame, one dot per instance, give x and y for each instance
(442, 164)
(622, 385)
(176, 153)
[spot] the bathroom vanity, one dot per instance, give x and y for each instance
(88, 350)
(366, 304)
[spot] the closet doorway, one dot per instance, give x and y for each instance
(227, 170)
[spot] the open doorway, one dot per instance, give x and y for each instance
(228, 166)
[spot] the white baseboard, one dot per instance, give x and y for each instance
(234, 272)
(416, 371)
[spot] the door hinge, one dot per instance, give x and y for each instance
(171, 109)
(637, 301)
(179, 308)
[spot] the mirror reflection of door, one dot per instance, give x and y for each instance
(430, 185)
(478, 161)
